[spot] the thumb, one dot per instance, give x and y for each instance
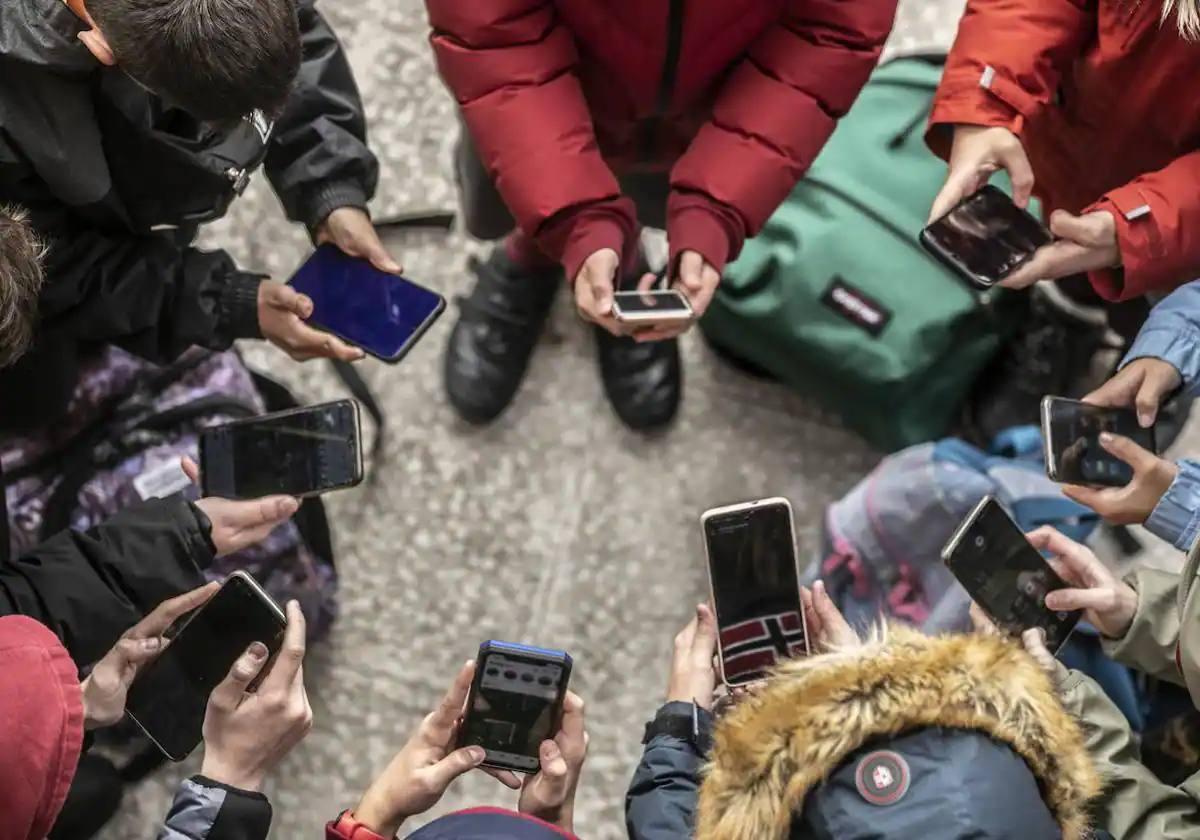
(554, 767)
(599, 275)
(1150, 396)
(228, 694)
(244, 516)
(705, 640)
(288, 299)
(1075, 228)
(1128, 451)
(374, 251)
(454, 765)
(190, 469)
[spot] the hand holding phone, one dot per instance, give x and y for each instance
(693, 678)
(652, 308)
(1075, 453)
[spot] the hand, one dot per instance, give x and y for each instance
(981, 622)
(693, 678)
(1085, 243)
(827, 629)
(550, 794)
(697, 281)
(350, 229)
(240, 524)
(420, 773)
(1109, 604)
(1144, 383)
(281, 315)
(105, 688)
(594, 289)
(977, 152)
(1133, 503)
(1034, 642)
(248, 733)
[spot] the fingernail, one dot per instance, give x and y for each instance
(1145, 419)
(288, 506)
(1106, 437)
(478, 754)
(151, 644)
(257, 650)
(819, 586)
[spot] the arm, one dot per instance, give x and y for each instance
(317, 158)
(770, 120)
(511, 63)
(1150, 643)
(208, 810)
(1176, 517)
(1172, 333)
(661, 801)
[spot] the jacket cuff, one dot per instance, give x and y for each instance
(204, 524)
(1176, 517)
(964, 101)
(207, 808)
(237, 307)
(1149, 643)
(1178, 345)
(1144, 263)
(695, 223)
(590, 237)
(328, 198)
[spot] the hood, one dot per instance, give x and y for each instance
(41, 724)
(813, 714)
(43, 33)
(489, 824)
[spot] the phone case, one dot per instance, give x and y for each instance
(649, 317)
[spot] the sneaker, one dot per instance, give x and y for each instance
(498, 326)
(643, 381)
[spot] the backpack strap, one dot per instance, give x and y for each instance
(1071, 518)
(361, 391)
(1018, 442)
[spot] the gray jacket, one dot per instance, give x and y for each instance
(208, 810)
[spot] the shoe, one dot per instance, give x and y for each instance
(498, 326)
(644, 382)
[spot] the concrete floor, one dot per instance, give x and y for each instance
(554, 526)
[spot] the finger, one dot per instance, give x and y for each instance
(1085, 230)
(1131, 453)
(135, 651)
(169, 611)
(704, 640)
(1090, 497)
(647, 282)
(190, 469)
(1020, 174)
(288, 299)
(229, 693)
(255, 514)
(1034, 641)
(291, 653)
(454, 765)
(573, 731)
(1119, 391)
(1078, 558)
(1069, 600)
(446, 715)
(685, 637)
(1050, 262)
(585, 302)
(599, 276)
(831, 617)
(372, 248)
(505, 777)
(981, 621)
(812, 619)
(1150, 396)
(960, 182)
(303, 339)
(554, 768)
(691, 269)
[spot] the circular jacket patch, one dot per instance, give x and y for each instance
(882, 777)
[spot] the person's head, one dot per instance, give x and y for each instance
(1187, 17)
(217, 59)
(20, 284)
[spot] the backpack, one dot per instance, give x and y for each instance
(836, 297)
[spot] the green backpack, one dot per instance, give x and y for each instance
(836, 297)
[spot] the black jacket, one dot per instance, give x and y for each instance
(118, 183)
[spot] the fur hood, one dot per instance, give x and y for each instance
(772, 749)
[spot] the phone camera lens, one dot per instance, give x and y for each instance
(493, 672)
(544, 681)
(527, 678)
(510, 675)
(980, 542)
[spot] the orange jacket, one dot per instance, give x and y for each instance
(1103, 94)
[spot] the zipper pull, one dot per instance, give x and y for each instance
(239, 178)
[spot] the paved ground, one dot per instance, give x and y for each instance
(555, 526)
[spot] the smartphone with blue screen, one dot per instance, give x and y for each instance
(382, 313)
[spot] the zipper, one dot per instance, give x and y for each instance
(670, 68)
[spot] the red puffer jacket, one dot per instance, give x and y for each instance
(1102, 94)
(734, 97)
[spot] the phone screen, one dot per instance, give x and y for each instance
(756, 591)
(1073, 430)
(665, 302)
(1007, 576)
(380, 312)
(987, 237)
(516, 703)
(168, 698)
(298, 452)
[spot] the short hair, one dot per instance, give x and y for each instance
(217, 59)
(20, 283)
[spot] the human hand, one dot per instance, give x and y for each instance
(827, 628)
(693, 678)
(105, 688)
(1109, 604)
(281, 315)
(247, 733)
(1143, 383)
(1084, 243)
(240, 524)
(351, 230)
(1133, 503)
(594, 286)
(977, 152)
(1033, 640)
(549, 795)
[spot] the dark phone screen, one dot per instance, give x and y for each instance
(752, 561)
(516, 705)
(988, 235)
(1008, 578)
(665, 302)
(295, 452)
(1079, 458)
(380, 312)
(169, 697)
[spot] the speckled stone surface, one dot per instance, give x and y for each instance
(554, 526)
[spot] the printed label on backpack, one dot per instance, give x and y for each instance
(161, 480)
(857, 307)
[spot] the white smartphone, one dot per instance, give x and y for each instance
(755, 584)
(656, 306)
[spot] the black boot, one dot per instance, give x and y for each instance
(644, 382)
(498, 327)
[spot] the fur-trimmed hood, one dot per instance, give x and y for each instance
(771, 750)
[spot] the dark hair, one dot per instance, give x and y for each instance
(217, 59)
(20, 282)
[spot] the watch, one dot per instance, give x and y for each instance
(685, 721)
(348, 826)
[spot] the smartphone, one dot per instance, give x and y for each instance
(755, 585)
(651, 307)
(1071, 434)
(168, 698)
(299, 452)
(516, 702)
(985, 237)
(382, 313)
(1006, 575)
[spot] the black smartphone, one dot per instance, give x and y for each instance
(299, 452)
(1071, 434)
(985, 237)
(168, 698)
(1006, 575)
(382, 313)
(755, 585)
(516, 702)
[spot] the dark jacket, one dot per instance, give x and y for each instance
(214, 811)
(118, 183)
(950, 737)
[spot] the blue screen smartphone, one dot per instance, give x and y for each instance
(382, 313)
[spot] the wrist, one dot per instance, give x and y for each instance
(1127, 603)
(227, 773)
(373, 812)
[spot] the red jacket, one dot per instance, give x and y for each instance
(1103, 96)
(734, 97)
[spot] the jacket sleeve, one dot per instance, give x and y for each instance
(770, 119)
(661, 801)
(317, 157)
(1176, 517)
(1150, 643)
(91, 586)
(511, 64)
(207, 810)
(1135, 804)
(1172, 333)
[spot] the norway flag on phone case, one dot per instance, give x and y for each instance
(751, 648)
